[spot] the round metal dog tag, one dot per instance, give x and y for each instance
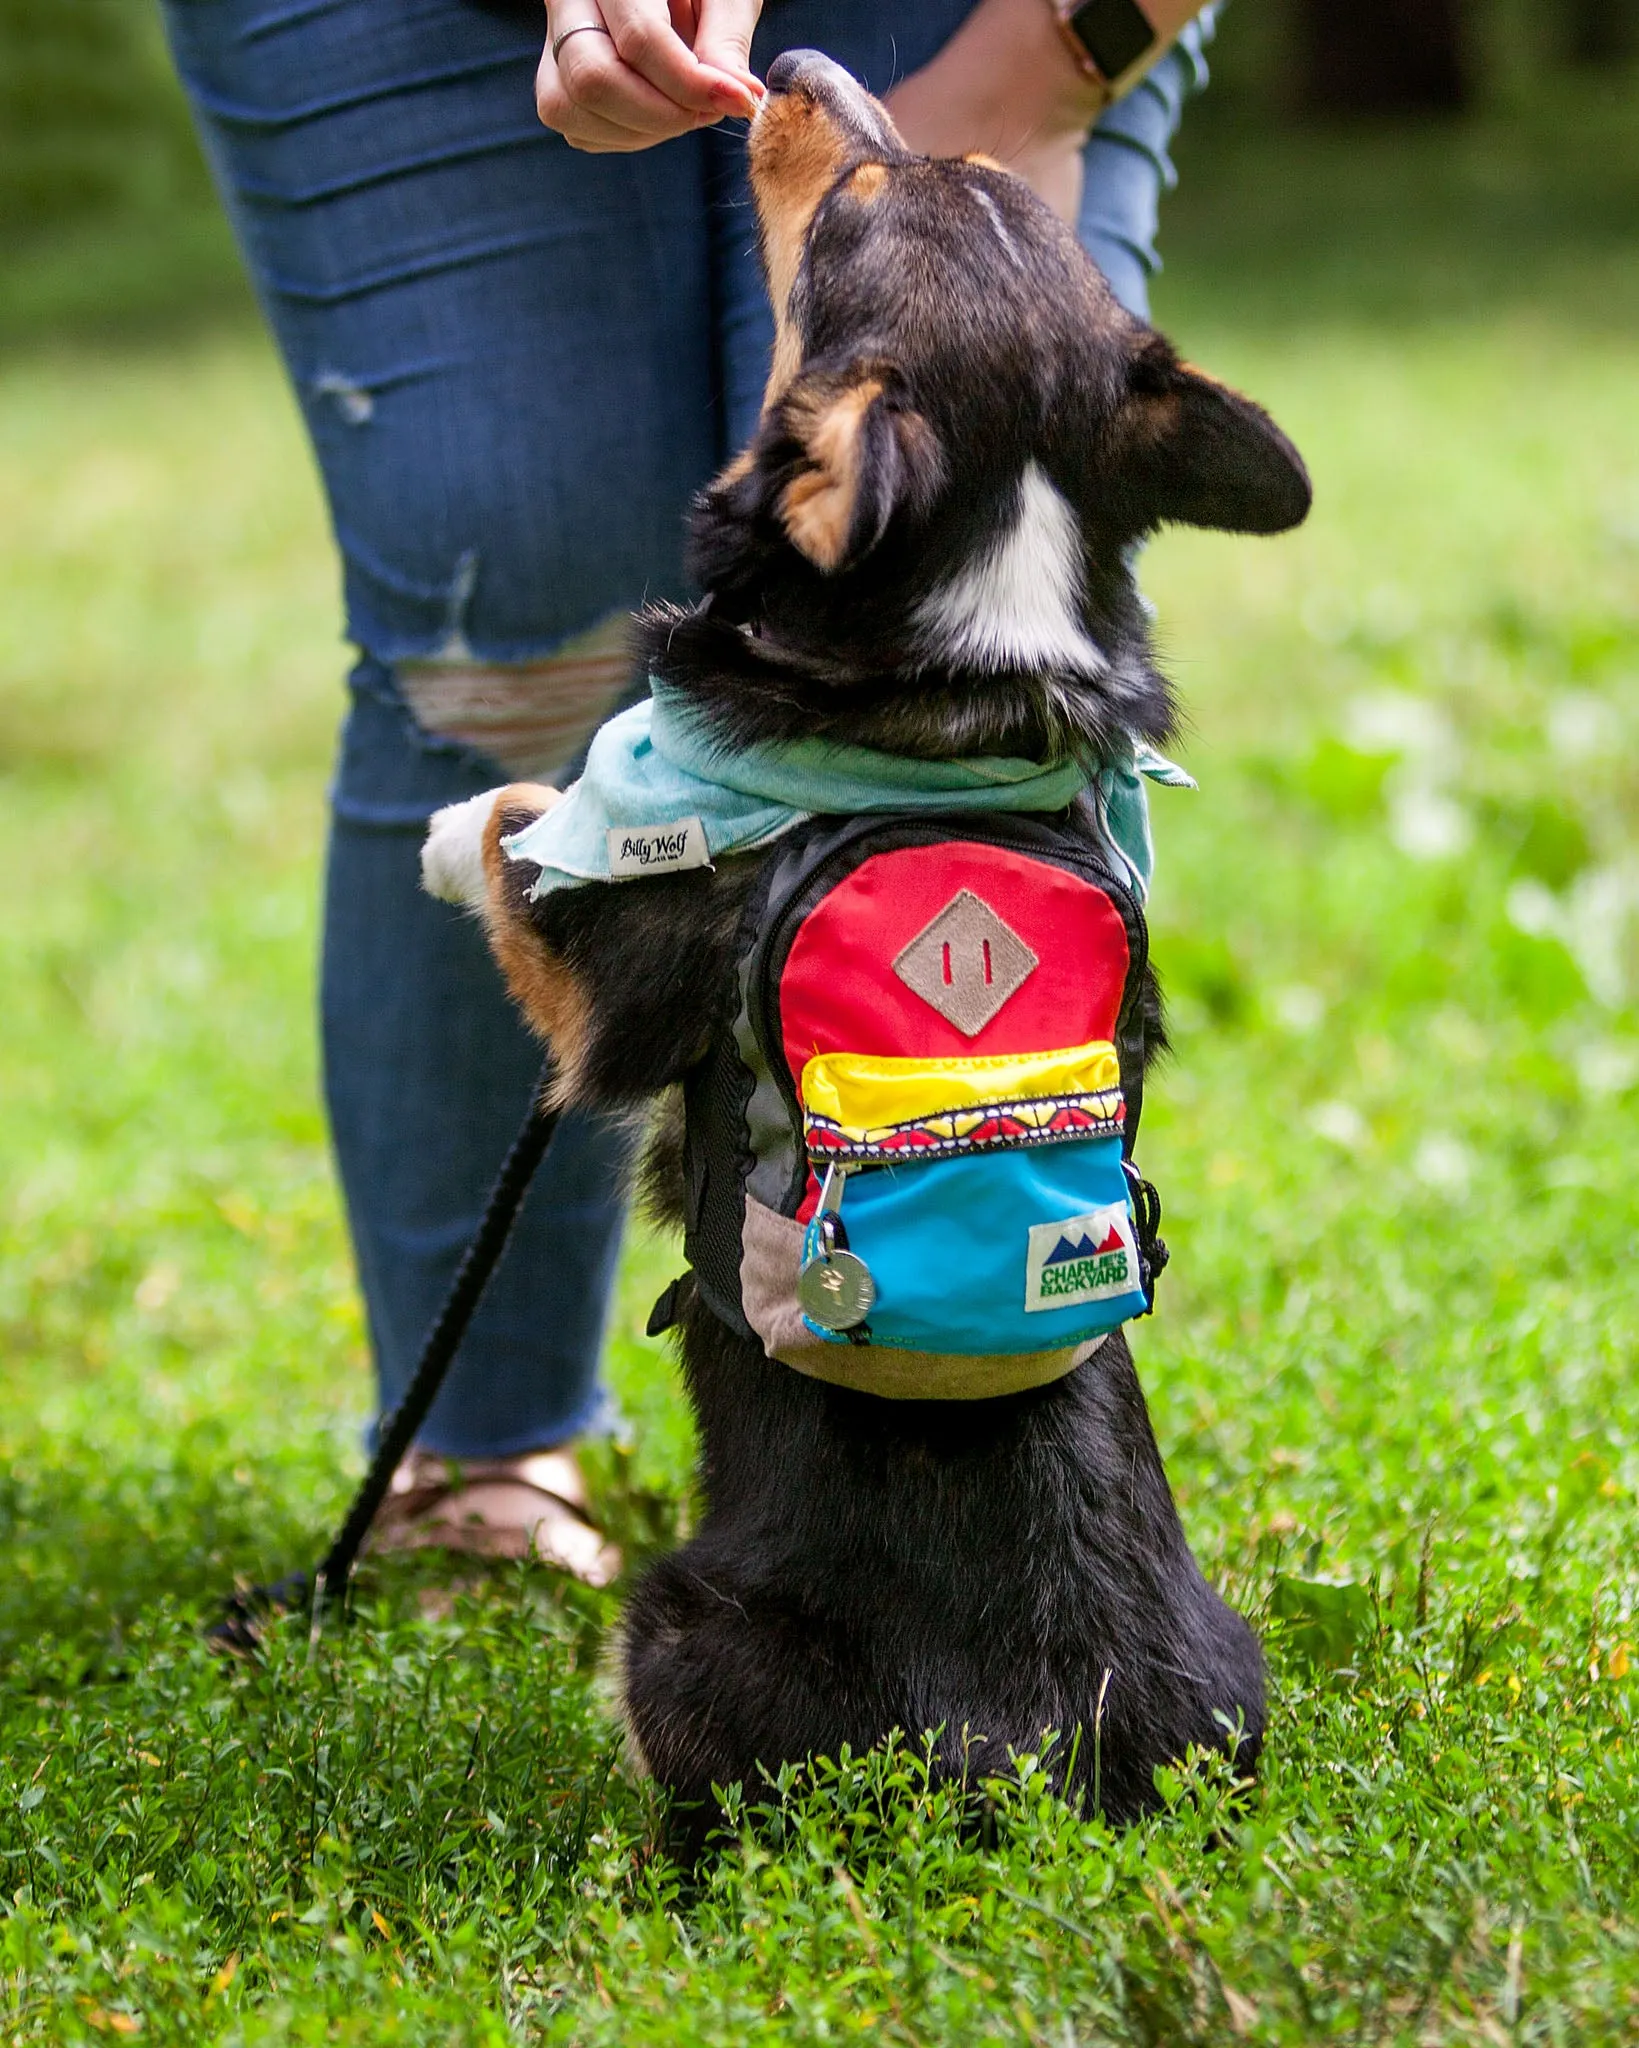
(837, 1292)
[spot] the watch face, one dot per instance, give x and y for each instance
(1114, 33)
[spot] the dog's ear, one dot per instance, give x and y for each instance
(836, 456)
(862, 456)
(1199, 454)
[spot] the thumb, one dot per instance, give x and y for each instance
(723, 38)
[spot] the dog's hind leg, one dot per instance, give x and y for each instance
(717, 1683)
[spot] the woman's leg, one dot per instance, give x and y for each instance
(501, 351)
(428, 1073)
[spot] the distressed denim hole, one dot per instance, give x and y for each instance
(356, 406)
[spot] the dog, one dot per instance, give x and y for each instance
(925, 550)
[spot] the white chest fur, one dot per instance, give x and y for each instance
(1018, 604)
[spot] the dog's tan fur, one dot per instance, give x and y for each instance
(540, 983)
(867, 183)
(796, 155)
(818, 506)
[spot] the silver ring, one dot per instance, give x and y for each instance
(581, 28)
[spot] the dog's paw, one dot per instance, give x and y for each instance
(452, 854)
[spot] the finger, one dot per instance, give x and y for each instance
(621, 96)
(588, 127)
(589, 74)
(597, 136)
(595, 75)
(589, 84)
(723, 38)
(647, 44)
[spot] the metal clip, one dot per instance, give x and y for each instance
(835, 1287)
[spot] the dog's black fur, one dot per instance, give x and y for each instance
(990, 1569)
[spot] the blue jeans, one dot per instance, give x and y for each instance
(516, 363)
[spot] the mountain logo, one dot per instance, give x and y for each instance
(1084, 1247)
(1081, 1259)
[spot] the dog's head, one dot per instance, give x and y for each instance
(962, 436)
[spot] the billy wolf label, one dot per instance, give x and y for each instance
(1080, 1259)
(657, 849)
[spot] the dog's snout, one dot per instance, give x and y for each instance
(782, 73)
(827, 85)
(792, 69)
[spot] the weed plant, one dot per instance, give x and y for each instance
(1392, 1370)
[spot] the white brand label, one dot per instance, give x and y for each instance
(657, 849)
(1081, 1259)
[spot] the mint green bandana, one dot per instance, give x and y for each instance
(660, 794)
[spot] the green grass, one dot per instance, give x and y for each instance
(1392, 1372)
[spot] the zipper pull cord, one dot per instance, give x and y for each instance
(1152, 1246)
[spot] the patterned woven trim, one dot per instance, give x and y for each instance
(1039, 1120)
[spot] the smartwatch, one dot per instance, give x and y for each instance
(1116, 41)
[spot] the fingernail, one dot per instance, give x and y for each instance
(740, 83)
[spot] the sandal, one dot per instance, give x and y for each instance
(529, 1506)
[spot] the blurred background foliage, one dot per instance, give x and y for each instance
(106, 210)
(1356, 59)
(90, 119)
(107, 218)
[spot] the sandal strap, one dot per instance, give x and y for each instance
(434, 1482)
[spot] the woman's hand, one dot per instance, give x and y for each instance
(624, 74)
(1006, 84)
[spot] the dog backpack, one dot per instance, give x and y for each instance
(907, 1157)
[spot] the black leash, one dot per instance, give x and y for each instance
(239, 1628)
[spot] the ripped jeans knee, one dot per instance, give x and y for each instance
(424, 733)
(533, 718)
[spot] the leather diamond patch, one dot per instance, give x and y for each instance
(966, 963)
